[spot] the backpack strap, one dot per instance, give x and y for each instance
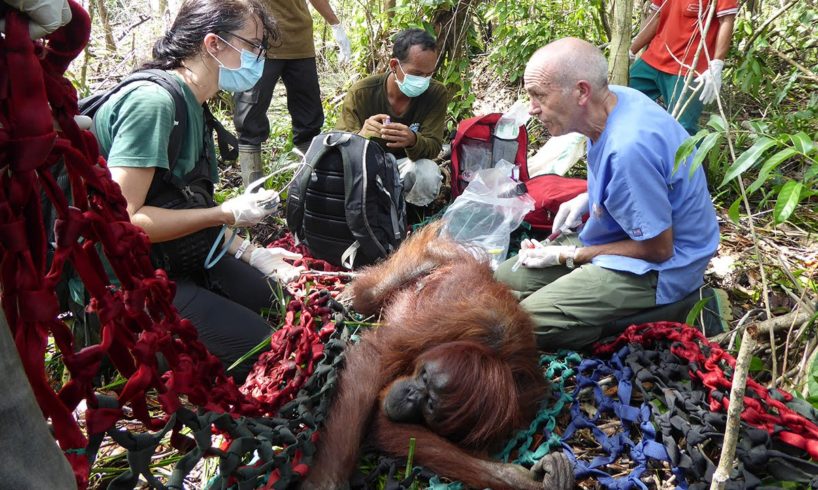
(228, 142)
(356, 183)
(386, 198)
(228, 149)
(165, 80)
(465, 126)
(391, 201)
(297, 192)
(348, 257)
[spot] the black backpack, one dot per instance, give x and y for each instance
(346, 201)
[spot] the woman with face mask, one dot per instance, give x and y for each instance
(213, 45)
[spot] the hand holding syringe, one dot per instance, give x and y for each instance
(531, 243)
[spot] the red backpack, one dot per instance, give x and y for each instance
(476, 146)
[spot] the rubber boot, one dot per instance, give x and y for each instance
(250, 163)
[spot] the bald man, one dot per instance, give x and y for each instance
(651, 230)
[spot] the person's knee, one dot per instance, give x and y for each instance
(555, 326)
(508, 277)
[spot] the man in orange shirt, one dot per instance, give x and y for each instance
(673, 35)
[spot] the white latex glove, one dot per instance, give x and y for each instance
(710, 81)
(250, 208)
(270, 262)
(525, 244)
(569, 215)
(46, 15)
(540, 256)
(343, 42)
(83, 122)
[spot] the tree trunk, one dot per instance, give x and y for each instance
(603, 19)
(644, 11)
(737, 389)
(86, 57)
(618, 61)
(164, 13)
(389, 11)
(106, 25)
(452, 27)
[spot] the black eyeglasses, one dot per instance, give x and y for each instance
(261, 47)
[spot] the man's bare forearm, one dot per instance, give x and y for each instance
(724, 37)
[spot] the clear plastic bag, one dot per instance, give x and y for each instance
(557, 155)
(508, 126)
(421, 180)
(476, 155)
(492, 206)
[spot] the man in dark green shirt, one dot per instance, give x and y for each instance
(404, 111)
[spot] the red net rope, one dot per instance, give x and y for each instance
(137, 319)
(708, 361)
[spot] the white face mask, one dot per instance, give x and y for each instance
(242, 78)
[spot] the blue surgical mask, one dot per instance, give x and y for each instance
(244, 77)
(412, 85)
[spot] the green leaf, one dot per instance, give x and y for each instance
(788, 199)
(756, 365)
(255, 350)
(694, 312)
(802, 143)
(812, 172)
(756, 127)
(781, 94)
(812, 383)
(687, 147)
(716, 122)
(734, 212)
(748, 159)
(709, 142)
(769, 165)
(756, 68)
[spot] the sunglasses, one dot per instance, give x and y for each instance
(260, 47)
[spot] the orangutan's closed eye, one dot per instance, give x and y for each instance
(417, 399)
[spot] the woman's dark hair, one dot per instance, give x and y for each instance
(405, 39)
(196, 19)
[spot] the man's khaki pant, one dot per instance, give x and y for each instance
(574, 308)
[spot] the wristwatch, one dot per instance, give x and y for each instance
(569, 259)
